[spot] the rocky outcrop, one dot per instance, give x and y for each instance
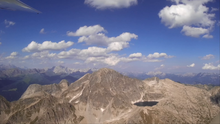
(53, 89)
(215, 95)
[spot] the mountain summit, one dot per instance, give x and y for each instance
(108, 97)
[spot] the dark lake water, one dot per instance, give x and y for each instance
(146, 103)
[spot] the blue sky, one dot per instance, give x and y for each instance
(126, 35)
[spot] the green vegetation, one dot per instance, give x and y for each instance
(14, 89)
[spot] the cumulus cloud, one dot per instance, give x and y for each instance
(210, 66)
(194, 32)
(43, 55)
(135, 55)
(47, 45)
(87, 30)
(95, 35)
(161, 67)
(117, 46)
(112, 60)
(214, 9)
(60, 62)
(69, 54)
(159, 55)
(104, 55)
(207, 36)
(77, 63)
(42, 31)
(9, 23)
(209, 56)
(12, 55)
(26, 57)
(84, 53)
(192, 65)
(192, 15)
(105, 4)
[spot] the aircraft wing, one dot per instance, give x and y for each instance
(16, 5)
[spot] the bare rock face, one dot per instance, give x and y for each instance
(104, 95)
(41, 110)
(39, 105)
(215, 95)
(53, 89)
(4, 108)
(108, 97)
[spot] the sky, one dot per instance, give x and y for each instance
(173, 36)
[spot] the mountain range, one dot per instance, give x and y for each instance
(14, 80)
(108, 97)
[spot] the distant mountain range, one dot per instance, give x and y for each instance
(189, 78)
(108, 97)
(14, 80)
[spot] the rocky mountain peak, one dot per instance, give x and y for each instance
(64, 84)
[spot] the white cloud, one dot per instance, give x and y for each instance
(158, 55)
(77, 63)
(210, 56)
(161, 67)
(211, 67)
(102, 40)
(194, 32)
(42, 31)
(192, 15)
(0, 43)
(112, 60)
(93, 51)
(135, 55)
(12, 55)
(47, 45)
(117, 46)
(86, 30)
(95, 35)
(214, 9)
(43, 55)
(207, 36)
(9, 23)
(26, 57)
(192, 65)
(105, 4)
(61, 62)
(69, 54)
(104, 55)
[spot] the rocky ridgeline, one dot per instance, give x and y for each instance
(108, 97)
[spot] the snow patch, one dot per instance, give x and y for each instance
(102, 109)
(139, 100)
(77, 95)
